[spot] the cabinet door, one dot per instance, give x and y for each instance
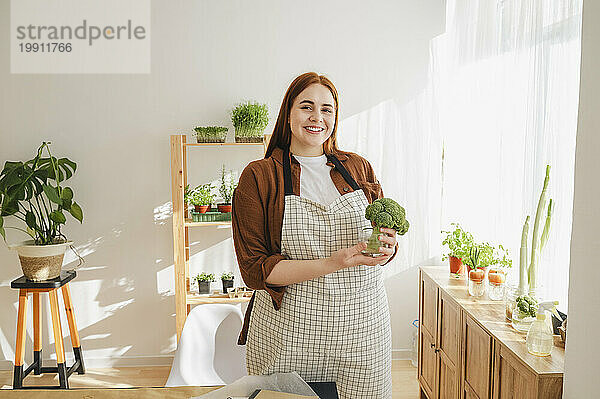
(512, 379)
(449, 379)
(449, 328)
(428, 305)
(448, 347)
(427, 362)
(477, 355)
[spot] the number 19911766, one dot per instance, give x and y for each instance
(45, 47)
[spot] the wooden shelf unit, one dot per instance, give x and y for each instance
(184, 299)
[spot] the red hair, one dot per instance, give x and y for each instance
(282, 134)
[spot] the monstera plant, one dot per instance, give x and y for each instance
(35, 193)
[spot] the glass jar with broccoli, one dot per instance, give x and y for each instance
(386, 213)
(524, 313)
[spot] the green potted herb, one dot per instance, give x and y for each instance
(210, 134)
(202, 197)
(226, 189)
(250, 120)
(477, 272)
(227, 280)
(204, 280)
(459, 243)
(387, 213)
(34, 192)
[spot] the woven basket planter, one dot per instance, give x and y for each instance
(205, 139)
(248, 139)
(41, 262)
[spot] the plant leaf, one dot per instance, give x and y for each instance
(52, 194)
(66, 204)
(3, 233)
(9, 207)
(66, 193)
(58, 217)
(30, 219)
(76, 212)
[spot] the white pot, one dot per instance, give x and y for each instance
(41, 262)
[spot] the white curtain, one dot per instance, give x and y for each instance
(507, 98)
(501, 104)
(402, 143)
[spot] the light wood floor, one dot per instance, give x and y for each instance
(404, 378)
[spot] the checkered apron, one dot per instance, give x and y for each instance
(331, 328)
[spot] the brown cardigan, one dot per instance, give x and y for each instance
(257, 216)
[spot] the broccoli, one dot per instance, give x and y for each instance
(384, 212)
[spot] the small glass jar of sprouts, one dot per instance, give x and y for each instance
(476, 274)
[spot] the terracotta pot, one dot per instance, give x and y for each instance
(201, 208)
(456, 265)
(224, 208)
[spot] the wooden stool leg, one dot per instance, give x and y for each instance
(37, 334)
(58, 340)
(20, 344)
(73, 328)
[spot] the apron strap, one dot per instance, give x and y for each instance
(287, 172)
(345, 174)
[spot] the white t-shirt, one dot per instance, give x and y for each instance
(315, 180)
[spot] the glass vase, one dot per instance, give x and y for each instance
(496, 291)
(476, 283)
(511, 292)
(496, 280)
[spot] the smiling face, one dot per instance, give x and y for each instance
(312, 119)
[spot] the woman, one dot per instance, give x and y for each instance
(320, 307)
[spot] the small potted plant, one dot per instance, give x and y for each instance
(210, 134)
(459, 243)
(228, 185)
(227, 280)
(387, 213)
(34, 192)
(476, 273)
(204, 279)
(250, 120)
(202, 197)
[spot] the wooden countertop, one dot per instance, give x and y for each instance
(490, 315)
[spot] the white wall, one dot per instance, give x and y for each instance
(206, 56)
(582, 350)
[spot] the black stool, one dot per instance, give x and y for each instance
(36, 287)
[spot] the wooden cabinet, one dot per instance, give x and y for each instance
(468, 350)
(439, 344)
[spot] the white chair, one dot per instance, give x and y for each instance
(208, 353)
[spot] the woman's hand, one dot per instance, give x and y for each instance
(349, 257)
(389, 237)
